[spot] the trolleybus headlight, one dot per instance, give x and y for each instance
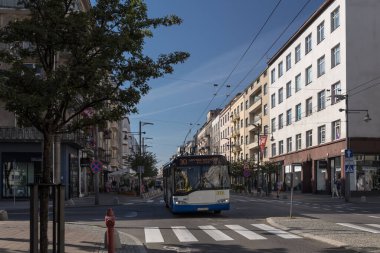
(223, 201)
(179, 202)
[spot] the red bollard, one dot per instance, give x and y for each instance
(110, 223)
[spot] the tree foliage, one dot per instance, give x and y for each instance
(148, 160)
(83, 61)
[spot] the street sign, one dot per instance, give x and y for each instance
(349, 168)
(348, 153)
(96, 166)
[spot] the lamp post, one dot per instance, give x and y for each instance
(229, 147)
(347, 193)
(141, 124)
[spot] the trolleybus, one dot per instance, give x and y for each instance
(197, 183)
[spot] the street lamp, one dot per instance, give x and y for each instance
(365, 119)
(131, 133)
(141, 124)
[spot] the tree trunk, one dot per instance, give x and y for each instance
(44, 197)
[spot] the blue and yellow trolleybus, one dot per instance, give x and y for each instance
(197, 183)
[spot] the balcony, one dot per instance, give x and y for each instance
(236, 148)
(236, 117)
(30, 134)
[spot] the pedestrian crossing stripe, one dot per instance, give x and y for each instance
(153, 234)
(374, 231)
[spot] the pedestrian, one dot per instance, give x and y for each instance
(279, 188)
(339, 187)
(335, 189)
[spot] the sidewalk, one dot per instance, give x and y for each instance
(324, 231)
(14, 235)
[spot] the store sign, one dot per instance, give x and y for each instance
(263, 141)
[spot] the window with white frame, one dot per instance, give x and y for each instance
(274, 149)
(298, 112)
(280, 121)
(321, 32)
(280, 147)
(265, 109)
(335, 56)
(280, 95)
(309, 106)
(309, 138)
(335, 128)
(335, 22)
(297, 53)
(288, 61)
(298, 83)
(335, 90)
(273, 75)
(308, 44)
(280, 69)
(288, 89)
(321, 66)
(289, 117)
(308, 75)
(273, 125)
(321, 100)
(321, 134)
(289, 145)
(298, 142)
(273, 100)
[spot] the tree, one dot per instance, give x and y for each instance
(84, 60)
(148, 160)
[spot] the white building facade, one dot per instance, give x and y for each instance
(326, 71)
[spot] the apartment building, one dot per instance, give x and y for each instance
(237, 127)
(225, 132)
(322, 85)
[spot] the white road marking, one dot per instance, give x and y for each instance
(152, 235)
(359, 228)
(217, 235)
(374, 225)
(376, 217)
(183, 234)
(278, 232)
(250, 235)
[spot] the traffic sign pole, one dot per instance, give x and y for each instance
(348, 169)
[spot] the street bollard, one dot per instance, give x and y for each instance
(110, 223)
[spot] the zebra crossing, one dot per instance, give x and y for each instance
(367, 228)
(183, 234)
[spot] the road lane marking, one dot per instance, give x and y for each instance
(183, 234)
(374, 225)
(359, 228)
(250, 235)
(153, 234)
(376, 217)
(278, 232)
(217, 235)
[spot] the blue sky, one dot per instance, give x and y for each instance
(216, 33)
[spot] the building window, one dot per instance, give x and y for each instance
(266, 129)
(308, 76)
(273, 75)
(321, 134)
(298, 112)
(321, 32)
(308, 44)
(246, 104)
(274, 149)
(280, 95)
(309, 106)
(289, 89)
(288, 61)
(335, 56)
(265, 109)
(273, 100)
(289, 117)
(298, 142)
(297, 53)
(298, 83)
(335, 22)
(280, 121)
(335, 128)
(321, 66)
(273, 125)
(321, 100)
(309, 138)
(265, 152)
(280, 69)
(280, 147)
(289, 145)
(246, 140)
(335, 90)
(265, 89)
